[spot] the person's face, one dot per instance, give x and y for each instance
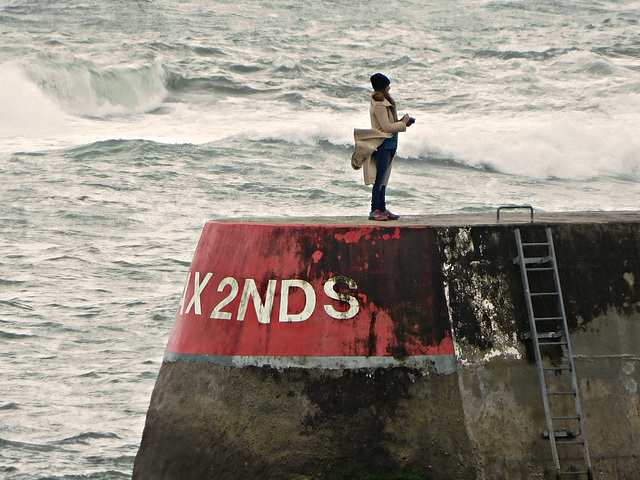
(386, 90)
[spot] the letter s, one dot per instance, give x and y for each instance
(329, 290)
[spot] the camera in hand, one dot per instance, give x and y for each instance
(411, 121)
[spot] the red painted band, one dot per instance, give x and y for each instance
(313, 290)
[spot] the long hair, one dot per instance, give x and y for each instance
(379, 96)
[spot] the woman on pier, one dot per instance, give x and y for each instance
(384, 118)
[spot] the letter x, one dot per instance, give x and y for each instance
(197, 290)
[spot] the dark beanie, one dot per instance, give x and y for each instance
(379, 82)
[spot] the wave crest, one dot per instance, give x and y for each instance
(85, 91)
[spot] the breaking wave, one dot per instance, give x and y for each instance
(81, 89)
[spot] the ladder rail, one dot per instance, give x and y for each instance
(574, 376)
(533, 265)
(534, 335)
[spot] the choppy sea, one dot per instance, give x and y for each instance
(126, 124)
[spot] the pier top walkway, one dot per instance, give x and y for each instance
(507, 217)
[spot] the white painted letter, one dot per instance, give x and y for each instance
(329, 290)
(197, 290)
(263, 311)
(217, 313)
(310, 301)
(184, 293)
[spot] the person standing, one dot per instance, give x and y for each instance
(384, 118)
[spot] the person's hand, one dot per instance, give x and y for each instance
(406, 119)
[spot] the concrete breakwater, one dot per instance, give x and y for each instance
(308, 351)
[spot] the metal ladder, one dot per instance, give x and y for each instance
(565, 421)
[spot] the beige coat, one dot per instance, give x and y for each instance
(367, 141)
(383, 114)
(384, 125)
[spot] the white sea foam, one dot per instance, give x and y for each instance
(87, 91)
(564, 144)
(25, 111)
(572, 145)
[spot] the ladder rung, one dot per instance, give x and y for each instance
(555, 369)
(536, 260)
(560, 393)
(562, 435)
(544, 335)
(581, 472)
(560, 441)
(543, 294)
(547, 319)
(540, 269)
(577, 417)
(534, 244)
(558, 334)
(553, 344)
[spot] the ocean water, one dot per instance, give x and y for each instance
(126, 124)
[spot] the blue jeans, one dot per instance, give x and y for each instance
(383, 166)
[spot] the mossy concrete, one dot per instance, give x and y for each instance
(207, 421)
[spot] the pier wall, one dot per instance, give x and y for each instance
(411, 362)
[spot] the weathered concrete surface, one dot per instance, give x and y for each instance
(212, 422)
(598, 264)
(483, 421)
(507, 218)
